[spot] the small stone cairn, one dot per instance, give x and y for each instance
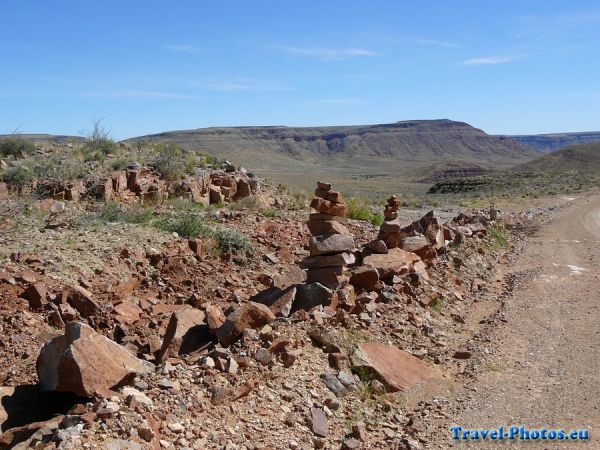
(331, 244)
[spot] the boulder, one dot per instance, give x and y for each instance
(86, 363)
(365, 277)
(310, 295)
(81, 299)
(250, 315)
(35, 295)
(395, 368)
(329, 244)
(330, 277)
(214, 318)
(395, 262)
(318, 262)
(328, 207)
(184, 333)
(317, 227)
(127, 313)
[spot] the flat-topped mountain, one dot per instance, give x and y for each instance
(398, 152)
(548, 143)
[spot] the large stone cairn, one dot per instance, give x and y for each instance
(390, 228)
(331, 244)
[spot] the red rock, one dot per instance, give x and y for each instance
(396, 261)
(243, 189)
(327, 207)
(250, 315)
(35, 295)
(214, 317)
(282, 307)
(81, 299)
(294, 275)
(397, 369)
(324, 186)
(86, 363)
(127, 313)
(365, 277)
(215, 195)
(330, 277)
(182, 333)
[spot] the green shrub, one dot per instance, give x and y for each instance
(359, 211)
(16, 146)
(172, 162)
(244, 203)
(59, 169)
(270, 213)
(18, 176)
(497, 237)
(231, 242)
(98, 143)
(187, 225)
(114, 212)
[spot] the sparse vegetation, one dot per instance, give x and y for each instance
(187, 225)
(16, 146)
(98, 142)
(114, 212)
(17, 176)
(358, 211)
(497, 237)
(232, 242)
(172, 162)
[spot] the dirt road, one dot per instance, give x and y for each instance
(544, 370)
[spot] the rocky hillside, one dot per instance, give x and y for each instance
(548, 143)
(584, 157)
(389, 153)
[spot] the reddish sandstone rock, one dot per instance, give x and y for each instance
(396, 261)
(80, 299)
(127, 313)
(35, 295)
(86, 363)
(317, 262)
(317, 227)
(397, 369)
(214, 317)
(328, 207)
(250, 315)
(330, 277)
(365, 277)
(184, 332)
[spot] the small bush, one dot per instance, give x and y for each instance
(244, 203)
(187, 225)
(60, 169)
(231, 242)
(498, 237)
(98, 143)
(113, 212)
(18, 176)
(270, 213)
(172, 162)
(16, 146)
(358, 211)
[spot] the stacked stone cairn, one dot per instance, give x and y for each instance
(331, 244)
(389, 232)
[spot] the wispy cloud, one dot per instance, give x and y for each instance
(326, 54)
(140, 94)
(182, 48)
(334, 101)
(489, 60)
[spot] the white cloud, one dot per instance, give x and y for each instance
(326, 54)
(182, 48)
(489, 60)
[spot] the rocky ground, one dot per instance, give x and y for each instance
(337, 334)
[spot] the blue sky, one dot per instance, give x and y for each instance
(507, 66)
